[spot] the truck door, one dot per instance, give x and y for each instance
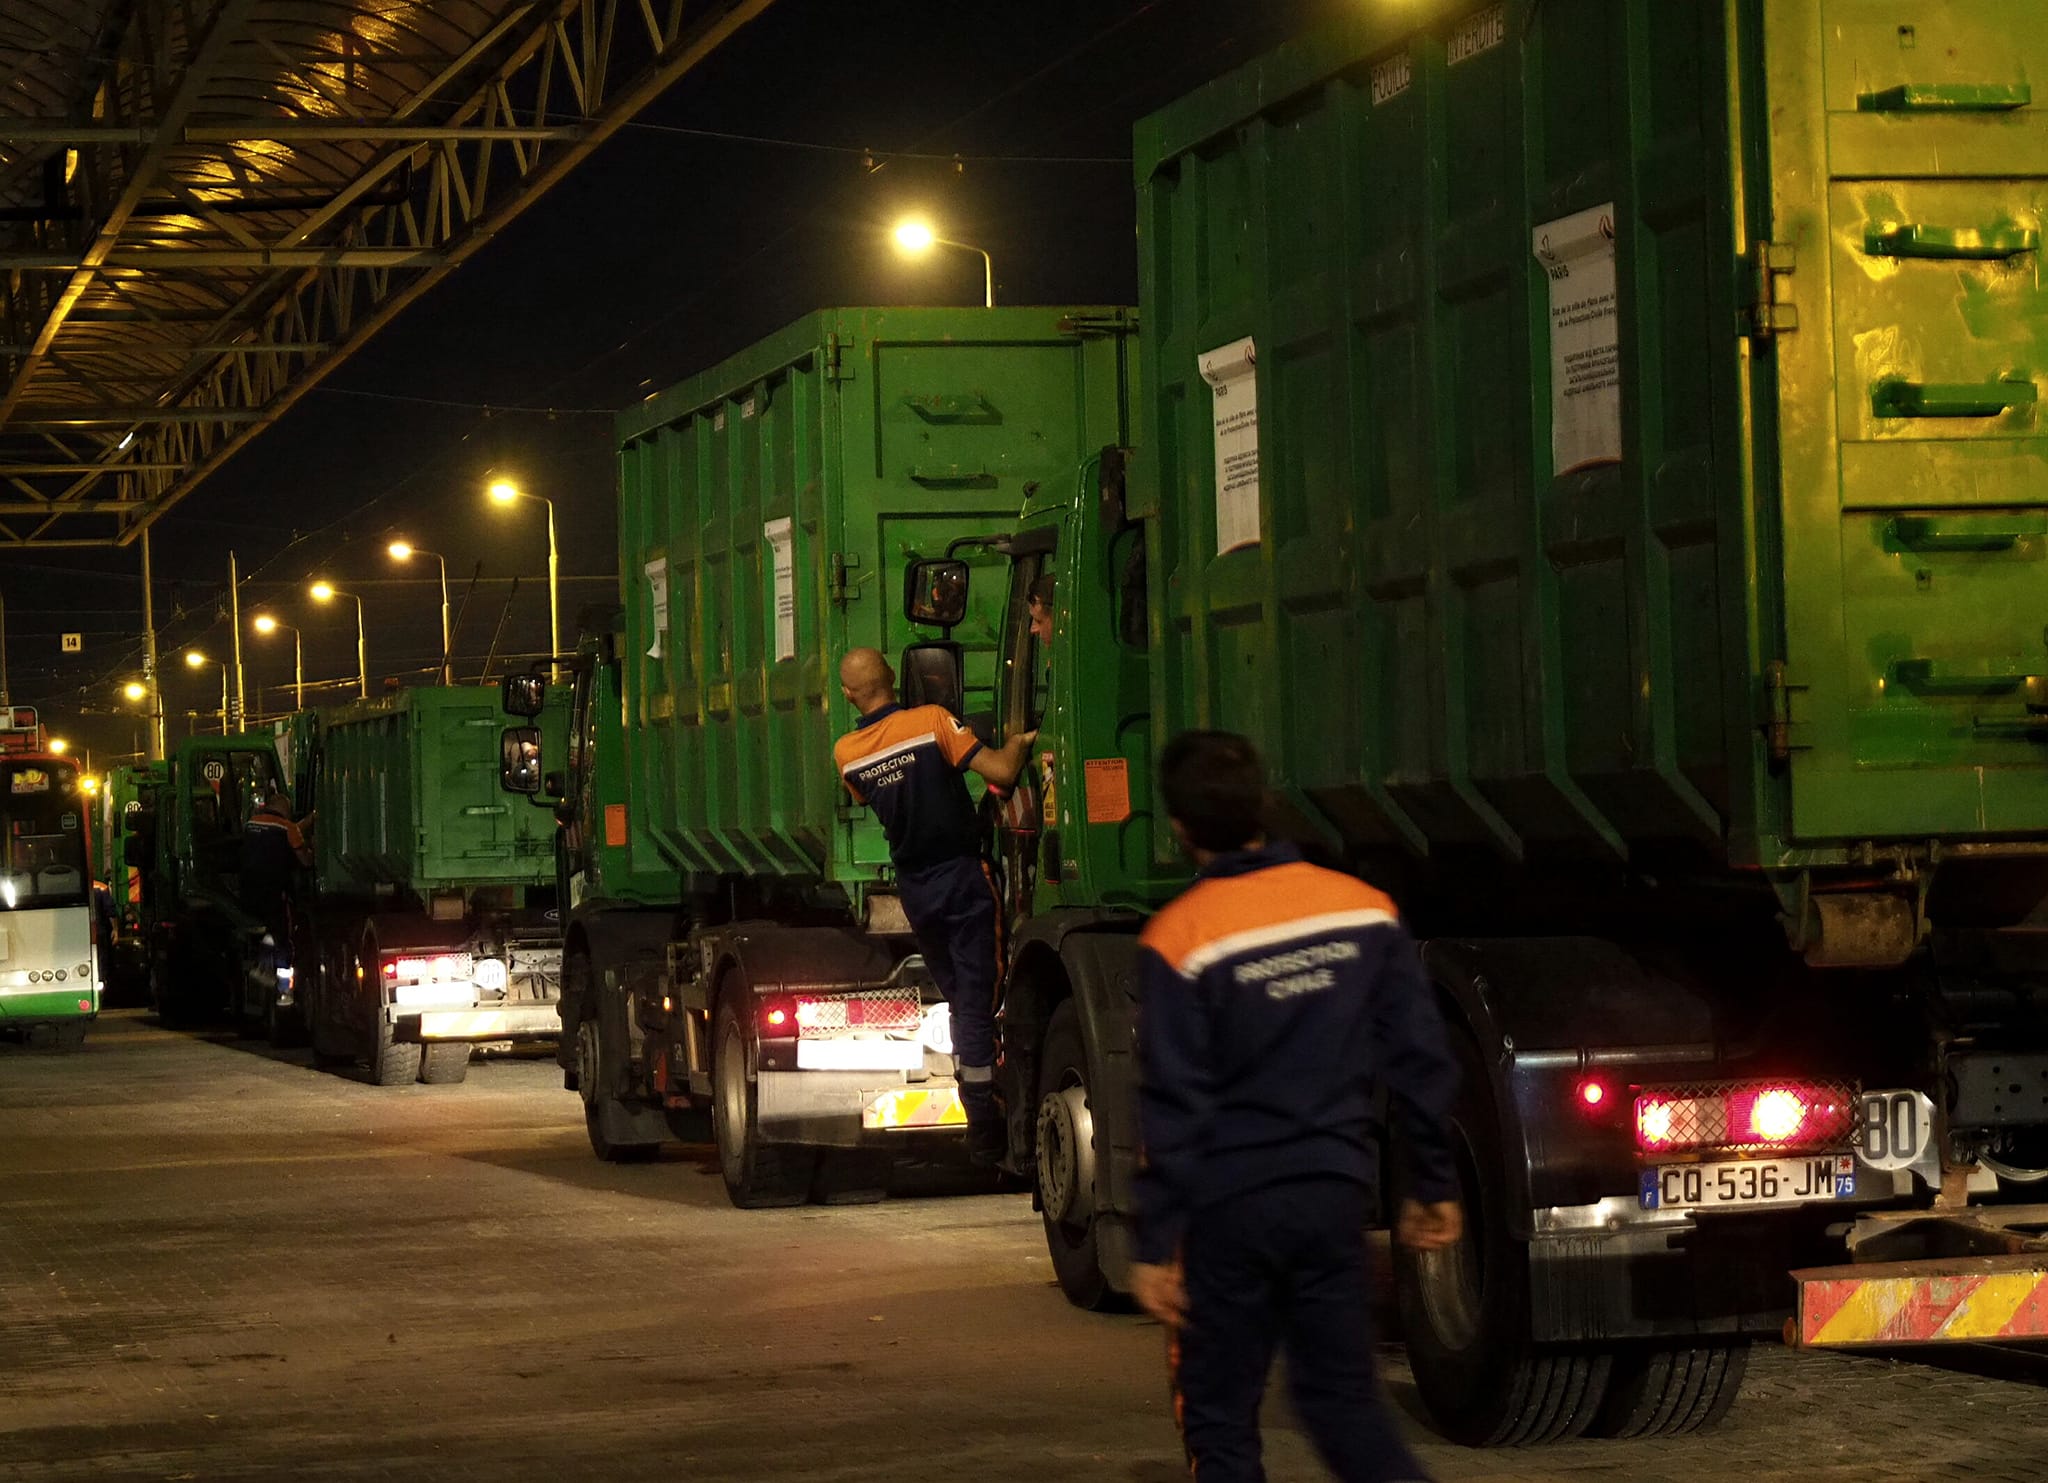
(1909, 162)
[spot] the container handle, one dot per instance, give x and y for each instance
(1894, 396)
(1999, 532)
(1947, 97)
(1918, 239)
(2001, 673)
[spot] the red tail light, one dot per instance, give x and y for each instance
(1593, 1095)
(1736, 1115)
(778, 1019)
(858, 1012)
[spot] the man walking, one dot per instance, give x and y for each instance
(1274, 996)
(909, 766)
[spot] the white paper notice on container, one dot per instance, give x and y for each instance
(657, 588)
(1232, 373)
(1577, 252)
(781, 537)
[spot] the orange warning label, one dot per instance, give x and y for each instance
(1108, 784)
(615, 825)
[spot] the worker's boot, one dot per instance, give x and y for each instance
(987, 1137)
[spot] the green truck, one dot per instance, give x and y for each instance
(125, 792)
(1595, 450)
(732, 942)
(427, 926)
(206, 956)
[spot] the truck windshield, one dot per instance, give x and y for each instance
(44, 817)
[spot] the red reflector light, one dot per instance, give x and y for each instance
(1737, 1115)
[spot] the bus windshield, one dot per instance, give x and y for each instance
(43, 817)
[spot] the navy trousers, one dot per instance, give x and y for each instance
(1283, 1266)
(952, 910)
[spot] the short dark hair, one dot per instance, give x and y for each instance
(1215, 788)
(1040, 590)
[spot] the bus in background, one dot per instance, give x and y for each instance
(49, 980)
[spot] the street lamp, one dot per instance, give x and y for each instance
(328, 592)
(196, 660)
(406, 551)
(915, 237)
(505, 492)
(135, 690)
(265, 624)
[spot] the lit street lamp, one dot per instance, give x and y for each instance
(406, 551)
(328, 592)
(196, 660)
(915, 237)
(505, 492)
(265, 624)
(135, 690)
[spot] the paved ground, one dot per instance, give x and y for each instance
(218, 1263)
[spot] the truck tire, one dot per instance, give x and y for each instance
(444, 1063)
(1069, 1178)
(333, 1046)
(758, 1175)
(393, 1062)
(593, 1084)
(1465, 1310)
(1668, 1392)
(852, 1176)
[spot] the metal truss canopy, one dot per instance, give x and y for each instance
(207, 205)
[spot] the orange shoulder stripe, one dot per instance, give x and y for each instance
(1219, 913)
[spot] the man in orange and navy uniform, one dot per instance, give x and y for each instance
(1274, 997)
(910, 767)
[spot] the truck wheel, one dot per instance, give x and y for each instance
(393, 1063)
(852, 1176)
(592, 1084)
(1668, 1392)
(444, 1063)
(1067, 1178)
(335, 980)
(758, 1175)
(1465, 1310)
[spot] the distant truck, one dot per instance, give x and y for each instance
(206, 958)
(734, 943)
(126, 792)
(428, 925)
(49, 963)
(1595, 451)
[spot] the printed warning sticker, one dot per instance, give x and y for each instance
(781, 537)
(657, 591)
(1108, 784)
(1232, 373)
(1577, 252)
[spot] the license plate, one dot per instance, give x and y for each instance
(1748, 1183)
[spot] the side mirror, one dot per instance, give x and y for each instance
(935, 593)
(934, 674)
(551, 784)
(519, 759)
(523, 695)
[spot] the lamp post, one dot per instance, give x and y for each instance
(196, 660)
(406, 551)
(327, 592)
(505, 492)
(266, 624)
(914, 238)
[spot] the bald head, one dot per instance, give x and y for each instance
(866, 678)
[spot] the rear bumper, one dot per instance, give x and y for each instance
(828, 1108)
(507, 1022)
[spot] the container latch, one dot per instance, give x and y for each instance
(1767, 315)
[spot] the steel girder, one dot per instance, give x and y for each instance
(216, 201)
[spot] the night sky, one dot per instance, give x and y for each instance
(665, 252)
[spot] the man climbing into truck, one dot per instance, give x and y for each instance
(909, 766)
(1274, 996)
